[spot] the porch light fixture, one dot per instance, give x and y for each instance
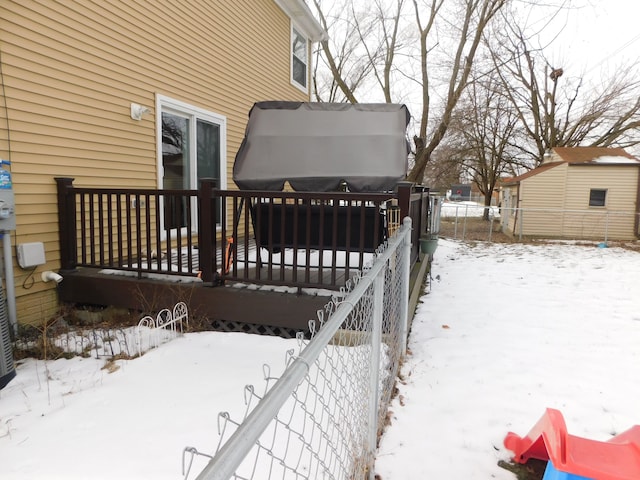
(138, 110)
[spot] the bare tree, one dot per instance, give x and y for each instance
(371, 57)
(485, 127)
(362, 45)
(558, 110)
(474, 18)
(445, 168)
(449, 34)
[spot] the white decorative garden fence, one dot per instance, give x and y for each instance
(322, 418)
(152, 332)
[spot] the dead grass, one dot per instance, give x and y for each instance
(532, 470)
(110, 364)
(72, 321)
(473, 229)
(478, 230)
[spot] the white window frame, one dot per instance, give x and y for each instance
(295, 31)
(171, 105)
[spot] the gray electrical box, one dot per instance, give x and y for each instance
(30, 254)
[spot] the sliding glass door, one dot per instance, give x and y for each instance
(193, 147)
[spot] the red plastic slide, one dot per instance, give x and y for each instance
(616, 459)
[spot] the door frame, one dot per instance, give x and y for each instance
(171, 105)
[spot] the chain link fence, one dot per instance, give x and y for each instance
(322, 418)
(468, 221)
(465, 221)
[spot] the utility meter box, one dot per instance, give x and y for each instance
(7, 202)
(7, 210)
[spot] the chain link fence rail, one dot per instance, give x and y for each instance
(594, 224)
(322, 418)
(465, 221)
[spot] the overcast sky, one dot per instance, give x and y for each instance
(603, 34)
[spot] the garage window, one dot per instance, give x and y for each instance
(597, 197)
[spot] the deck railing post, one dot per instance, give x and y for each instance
(67, 223)
(404, 190)
(206, 229)
(423, 219)
(404, 198)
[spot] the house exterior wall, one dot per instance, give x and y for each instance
(616, 218)
(70, 71)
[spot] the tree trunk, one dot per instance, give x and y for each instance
(488, 197)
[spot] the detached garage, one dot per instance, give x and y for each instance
(577, 192)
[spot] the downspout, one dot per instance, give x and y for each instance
(6, 235)
(8, 280)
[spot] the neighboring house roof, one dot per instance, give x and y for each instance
(594, 155)
(579, 156)
(531, 173)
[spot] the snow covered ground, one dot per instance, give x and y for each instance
(465, 209)
(504, 332)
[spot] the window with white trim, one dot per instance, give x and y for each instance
(597, 197)
(191, 146)
(299, 60)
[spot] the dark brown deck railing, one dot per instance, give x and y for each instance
(296, 239)
(121, 229)
(299, 239)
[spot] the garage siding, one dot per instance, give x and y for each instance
(540, 195)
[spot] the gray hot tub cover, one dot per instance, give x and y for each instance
(316, 145)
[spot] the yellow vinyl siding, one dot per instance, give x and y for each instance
(41, 305)
(620, 182)
(4, 131)
(540, 195)
(555, 202)
(616, 218)
(544, 190)
(71, 71)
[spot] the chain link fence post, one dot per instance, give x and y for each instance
(464, 223)
(406, 273)
(521, 212)
(374, 369)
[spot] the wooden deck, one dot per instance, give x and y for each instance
(251, 266)
(108, 240)
(230, 307)
(233, 303)
(226, 303)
